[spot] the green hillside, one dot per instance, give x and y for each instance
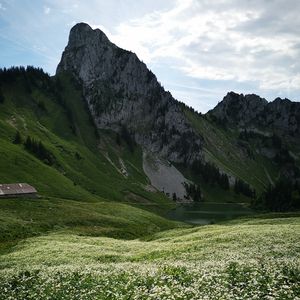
(83, 188)
(97, 232)
(222, 149)
(86, 163)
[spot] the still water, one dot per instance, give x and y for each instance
(208, 213)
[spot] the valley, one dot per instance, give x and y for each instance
(139, 195)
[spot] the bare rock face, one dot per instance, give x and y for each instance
(239, 109)
(121, 91)
(165, 177)
(253, 112)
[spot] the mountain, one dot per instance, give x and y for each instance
(121, 91)
(110, 130)
(123, 94)
(109, 152)
(272, 127)
(281, 116)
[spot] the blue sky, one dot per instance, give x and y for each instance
(199, 49)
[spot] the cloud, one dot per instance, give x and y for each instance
(47, 10)
(211, 47)
(222, 40)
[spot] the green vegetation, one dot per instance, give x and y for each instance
(1, 97)
(17, 138)
(252, 258)
(63, 155)
(241, 187)
(22, 218)
(239, 154)
(282, 196)
(210, 174)
(125, 134)
(38, 149)
(222, 150)
(97, 232)
(193, 191)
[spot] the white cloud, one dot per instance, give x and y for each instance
(220, 45)
(223, 40)
(47, 10)
(2, 7)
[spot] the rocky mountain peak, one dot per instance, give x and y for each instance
(82, 33)
(251, 111)
(251, 100)
(239, 109)
(121, 91)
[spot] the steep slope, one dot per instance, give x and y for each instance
(121, 91)
(122, 94)
(53, 111)
(268, 129)
(83, 184)
(223, 148)
(100, 87)
(281, 116)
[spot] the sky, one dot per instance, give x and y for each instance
(198, 49)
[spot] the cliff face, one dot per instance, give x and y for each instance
(253, 112)
(121, 91)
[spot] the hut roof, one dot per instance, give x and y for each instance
(16, 189)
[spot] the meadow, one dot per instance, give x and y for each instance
(96, 233)
(254, 257)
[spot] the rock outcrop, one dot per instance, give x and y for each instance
(122, 92)
(253, 112)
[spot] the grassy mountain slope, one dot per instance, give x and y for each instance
(222, 149)
(84, 187)
(84, 163)
(22, 218)
(87, 237)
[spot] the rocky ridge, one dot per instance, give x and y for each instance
(253, 112)
(123, 95)
(122, 92)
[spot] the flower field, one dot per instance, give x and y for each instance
(255, 258)
(150, 281)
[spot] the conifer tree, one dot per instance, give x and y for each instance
(17, 138)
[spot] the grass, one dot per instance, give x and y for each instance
(21, 218)
(221, 149)
(232, 241)
(251, 258)
(82, 170)
(97, 234)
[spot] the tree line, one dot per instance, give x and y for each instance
(193, 191)
(242, 187)
(1, 96)
(210, 174)
(282, 196)
(35, 147)
(39, 150)
(125, 135)
(9, 75)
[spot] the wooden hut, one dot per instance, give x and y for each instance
(17, 190)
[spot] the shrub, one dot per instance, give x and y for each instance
(241, 187)
(1, 96)
(17, 139)
(38, 149)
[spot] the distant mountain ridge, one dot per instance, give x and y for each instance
(248, 111)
